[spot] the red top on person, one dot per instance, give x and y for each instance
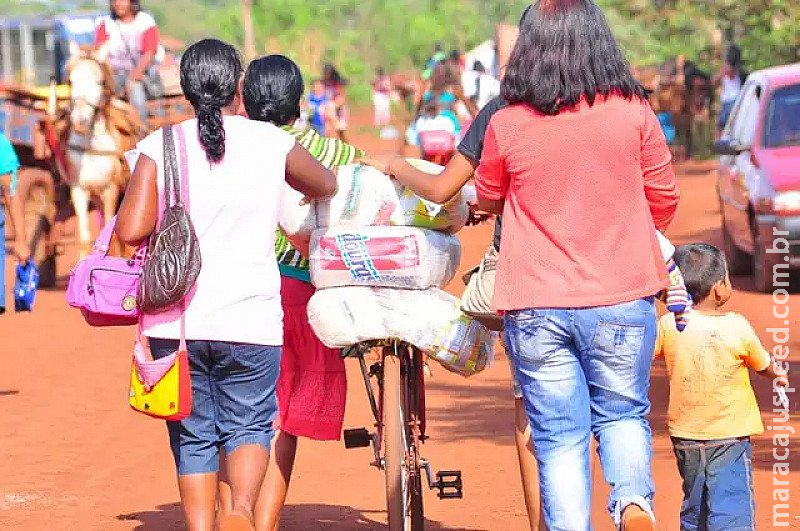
(583, 189)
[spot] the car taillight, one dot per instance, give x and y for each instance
(787, 203)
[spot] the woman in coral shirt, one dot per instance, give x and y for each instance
(580, 170)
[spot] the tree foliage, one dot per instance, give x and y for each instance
(359, 35)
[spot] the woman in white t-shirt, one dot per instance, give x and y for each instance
(237, 170)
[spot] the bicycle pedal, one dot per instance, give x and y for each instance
(357, 438)
(449, 484)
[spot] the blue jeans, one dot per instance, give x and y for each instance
(584, 372)
(2, 260)
(717, 484)
(233, 401)
(137, 95)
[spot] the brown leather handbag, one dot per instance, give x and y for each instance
(173, 256)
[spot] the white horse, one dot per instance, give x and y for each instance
(95, 146)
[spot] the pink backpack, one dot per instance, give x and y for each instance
(104, 287)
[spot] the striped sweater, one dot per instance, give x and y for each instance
(331, 153)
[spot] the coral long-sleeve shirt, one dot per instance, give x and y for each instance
(583, 193)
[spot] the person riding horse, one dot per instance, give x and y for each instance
(132, 38)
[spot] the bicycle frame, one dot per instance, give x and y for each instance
(412, 363)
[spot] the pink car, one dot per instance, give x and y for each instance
(759, 178)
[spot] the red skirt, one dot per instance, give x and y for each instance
(312, 388)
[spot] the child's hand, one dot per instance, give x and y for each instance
(780, 376)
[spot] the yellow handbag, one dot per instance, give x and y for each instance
(161, 388)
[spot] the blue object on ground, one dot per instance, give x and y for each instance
(26, 286)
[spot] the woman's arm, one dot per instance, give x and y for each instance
(435, 188)
(139, 211)
(147, 59)
(660, 184)
(305, 174)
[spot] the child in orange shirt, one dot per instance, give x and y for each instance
(712, 408)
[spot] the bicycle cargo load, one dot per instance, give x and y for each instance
(367, 197)
(431, 320)
(392, 257)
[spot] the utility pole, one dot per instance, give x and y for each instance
(249, 35)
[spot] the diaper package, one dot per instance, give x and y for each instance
(398, 257)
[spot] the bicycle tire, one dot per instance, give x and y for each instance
(414, 409)
(403, 498)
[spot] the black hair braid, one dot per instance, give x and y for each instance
(210, 73)
(273, 87)
(211, 129)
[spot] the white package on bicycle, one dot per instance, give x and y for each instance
(392, 257)
(367, 197)
(431, 320)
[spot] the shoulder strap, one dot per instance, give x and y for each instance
(172, 186)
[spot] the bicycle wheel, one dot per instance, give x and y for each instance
(403, 486)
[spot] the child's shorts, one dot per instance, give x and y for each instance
(233, 401)
(717, 483)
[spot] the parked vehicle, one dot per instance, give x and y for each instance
(759, 178)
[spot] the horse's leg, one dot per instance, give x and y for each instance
(80, 200)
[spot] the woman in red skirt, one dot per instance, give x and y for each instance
(312, 387)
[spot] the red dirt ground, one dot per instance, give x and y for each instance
(74, 457)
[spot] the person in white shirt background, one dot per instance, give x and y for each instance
(486, 86)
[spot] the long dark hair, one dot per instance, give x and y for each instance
(331, 75)
(210, 73)
(566, 52)
(136, 6)
(273, 86)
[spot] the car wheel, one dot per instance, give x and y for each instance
(763, 264)
(739, 262)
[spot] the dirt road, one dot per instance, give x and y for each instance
(73, 456)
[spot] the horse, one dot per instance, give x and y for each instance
(97, 139)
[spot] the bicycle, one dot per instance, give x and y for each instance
(400, 426)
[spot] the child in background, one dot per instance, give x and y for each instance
(431, 119)
(712, 408)
(382, 98)
(318, 103)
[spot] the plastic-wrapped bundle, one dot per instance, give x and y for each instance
(431, 320)
(367, 197)
(392, 257)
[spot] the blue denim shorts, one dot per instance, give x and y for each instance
(233, 401)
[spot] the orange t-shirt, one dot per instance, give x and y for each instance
(709, 385)
(584, 192)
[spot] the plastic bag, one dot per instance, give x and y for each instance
(400, 257)
(25, 286)
(430, 319)
(367, 197)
